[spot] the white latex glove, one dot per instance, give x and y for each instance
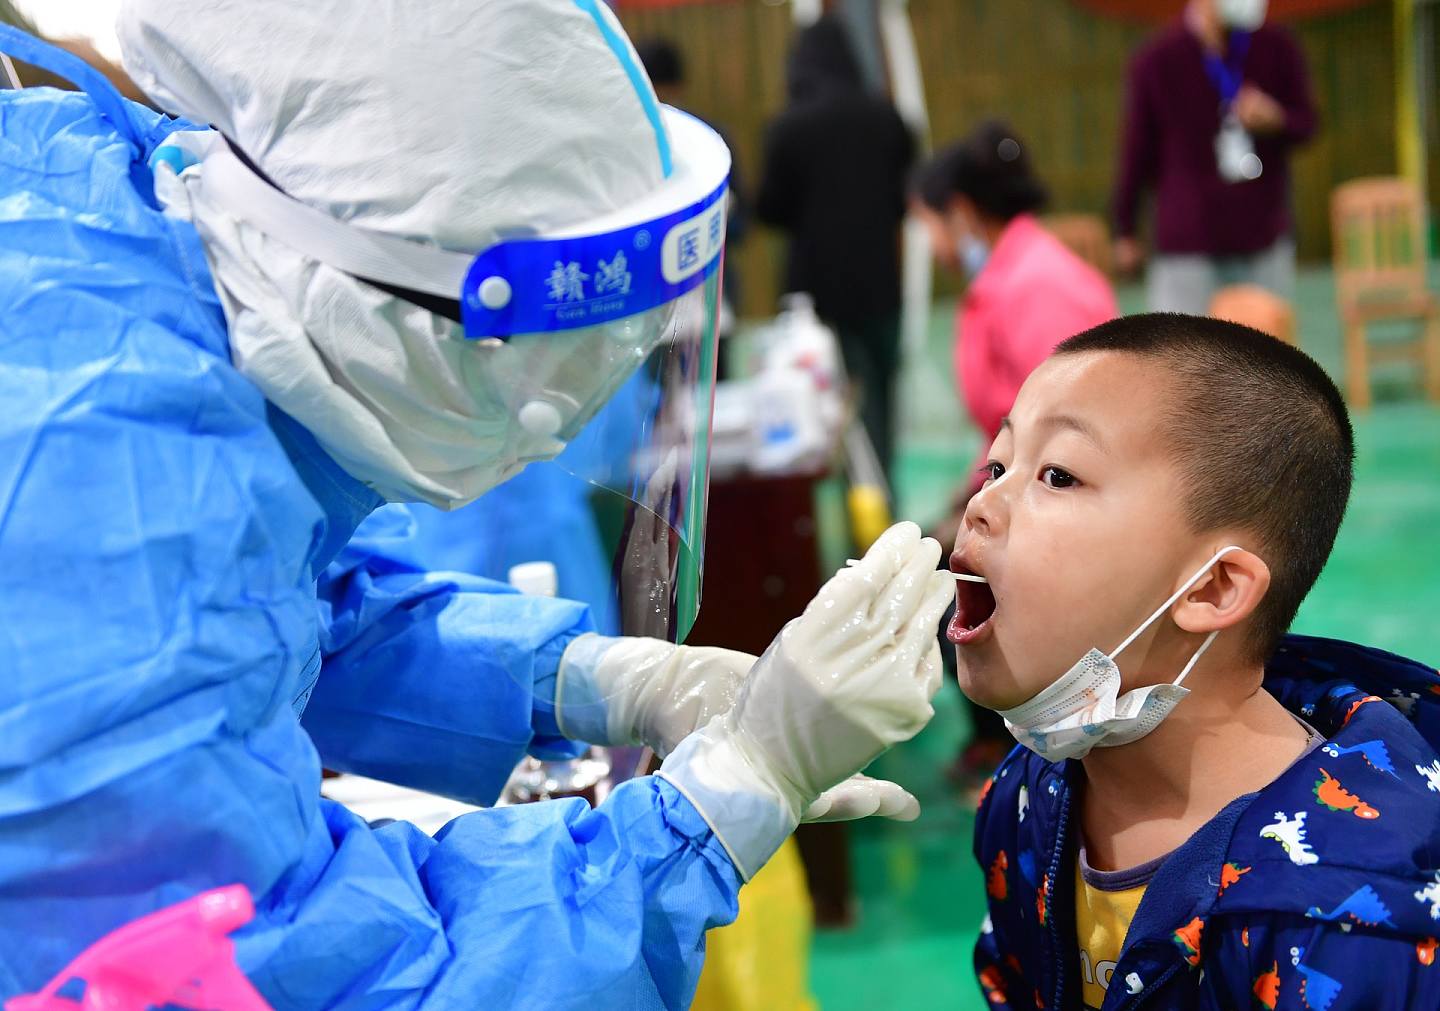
(632, 690)
(842, 683)
(862, 797)
(622, 691)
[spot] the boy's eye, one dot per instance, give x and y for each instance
(993, 470)
(1057, 478)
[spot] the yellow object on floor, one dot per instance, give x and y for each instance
(762, 960)
(869, 514)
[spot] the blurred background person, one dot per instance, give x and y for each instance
(1027, 292)
(836, 162)
(1215, 104)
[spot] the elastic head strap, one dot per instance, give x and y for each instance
(359, 251)
(448, 307)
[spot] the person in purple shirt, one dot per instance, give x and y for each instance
(1215, 104)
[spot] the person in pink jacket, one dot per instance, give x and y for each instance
(1027, 292)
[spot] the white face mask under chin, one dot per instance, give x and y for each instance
(1084, 709)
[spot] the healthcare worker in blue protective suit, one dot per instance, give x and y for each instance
(217, 357)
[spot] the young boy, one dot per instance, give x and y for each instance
(1266, 834)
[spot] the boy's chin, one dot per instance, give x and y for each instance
(986, 683)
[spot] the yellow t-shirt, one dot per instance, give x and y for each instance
(1102, 919)
(1105, 903)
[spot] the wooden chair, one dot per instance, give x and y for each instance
(1256, 307)
(1377, 226)
(1087, 236)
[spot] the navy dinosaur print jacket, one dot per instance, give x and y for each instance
(1321, 891)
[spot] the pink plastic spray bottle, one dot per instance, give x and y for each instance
(180, 955)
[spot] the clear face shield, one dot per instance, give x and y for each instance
(593, 347)
(603, 343)
(644, 463)
(629, 417)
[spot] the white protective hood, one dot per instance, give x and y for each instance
(445, 122)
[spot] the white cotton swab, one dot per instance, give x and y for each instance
(967, 577)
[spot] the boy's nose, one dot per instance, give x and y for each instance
(984, 513)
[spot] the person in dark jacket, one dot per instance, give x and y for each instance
(1212, 814)
(836, 164)
(1214, 107)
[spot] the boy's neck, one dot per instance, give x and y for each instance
(1143, 800)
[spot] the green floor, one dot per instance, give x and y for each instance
(920, 894)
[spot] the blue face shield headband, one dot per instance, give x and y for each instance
(619, 265)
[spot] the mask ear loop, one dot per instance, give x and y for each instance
(1196, 658)
(1171, 603)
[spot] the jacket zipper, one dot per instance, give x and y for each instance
(1055, 860)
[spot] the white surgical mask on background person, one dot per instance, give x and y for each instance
(1083, 709)
(974, 253)
(1244, 15)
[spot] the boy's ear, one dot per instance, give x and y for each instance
(1226, 596)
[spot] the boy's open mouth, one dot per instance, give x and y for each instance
(974, 607)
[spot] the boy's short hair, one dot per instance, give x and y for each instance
(1262, 438)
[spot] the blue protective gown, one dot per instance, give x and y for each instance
(541, 514)
(166, 608)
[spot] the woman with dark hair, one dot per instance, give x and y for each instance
(1027, 292)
